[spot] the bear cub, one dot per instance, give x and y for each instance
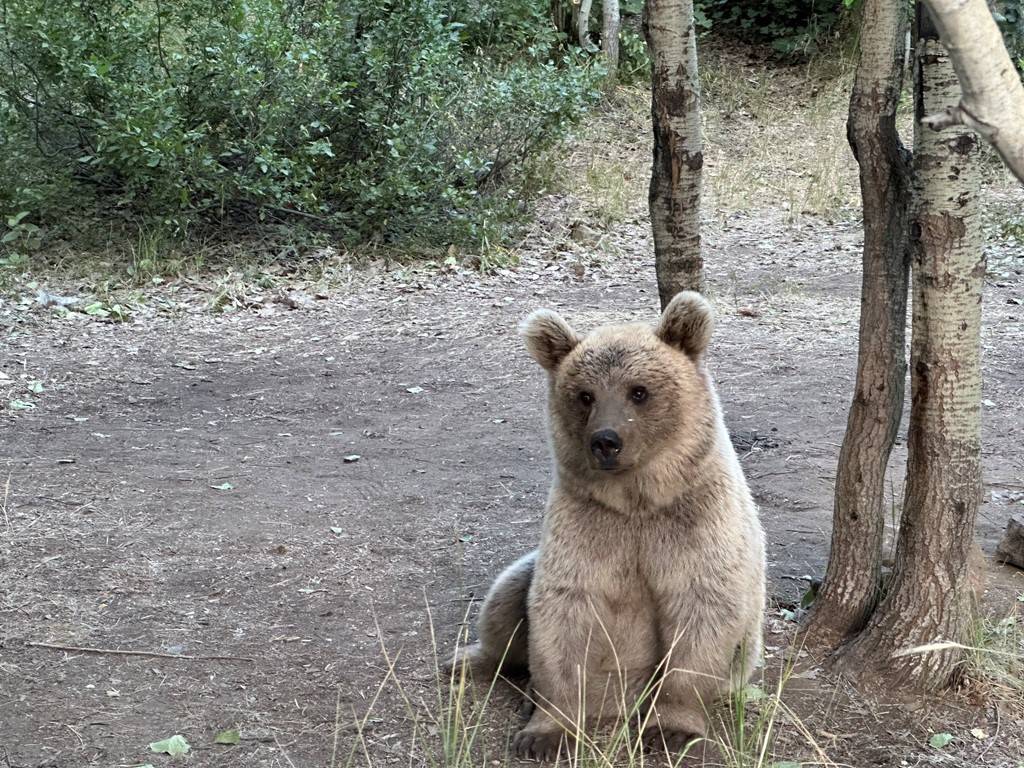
(648, 586)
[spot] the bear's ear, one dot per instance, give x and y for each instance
(686, 323)
(548, 337)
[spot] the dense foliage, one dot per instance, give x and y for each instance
(377, 119)
(1010, 17)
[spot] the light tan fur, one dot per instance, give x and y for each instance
(652, 569)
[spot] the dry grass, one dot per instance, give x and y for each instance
(775, 137)
(462, 724)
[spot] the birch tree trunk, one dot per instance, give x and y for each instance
(610, 37)
(583, 24)
(929, 599)
(850, 589)
(675, 189)
(992, 101)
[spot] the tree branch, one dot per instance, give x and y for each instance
(992, 101)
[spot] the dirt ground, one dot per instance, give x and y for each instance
(278, 492)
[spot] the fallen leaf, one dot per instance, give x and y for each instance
(222, 487)
(414, 390)
(979, 734)
(36, 387)
(748, 312)
(336, 531)
(22, 405)
(940, 740)
(352, 458)
(174, 746)
(227, 737)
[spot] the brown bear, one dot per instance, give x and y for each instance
(647, 591)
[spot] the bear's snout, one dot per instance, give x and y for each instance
(606, 445)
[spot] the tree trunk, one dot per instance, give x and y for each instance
(993, 94)
(583, 24)
(929, 599)
(610, 37)
(563, 16)
(678, 148)
(850, 590)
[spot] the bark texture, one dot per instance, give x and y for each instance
(850, 589)
(610, 37)
(930, 598)
(583, 24)
(992, 100)
(676, 174)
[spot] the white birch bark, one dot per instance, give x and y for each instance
(992, 100)
(610, 37)
(677, 169)
(929, 600)
(583, 24)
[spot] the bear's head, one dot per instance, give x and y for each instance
(627, 399)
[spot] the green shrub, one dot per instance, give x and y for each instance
(1009, 15)
(374, 119)
(790, 26)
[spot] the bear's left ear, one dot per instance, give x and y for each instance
(548, 338)
(687, 323)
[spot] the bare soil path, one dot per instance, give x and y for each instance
(182, 485)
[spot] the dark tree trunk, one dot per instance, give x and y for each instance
(850, 589)
(675, 189)
(929, 600)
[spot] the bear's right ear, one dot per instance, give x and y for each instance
(548, 337)
(686, 323)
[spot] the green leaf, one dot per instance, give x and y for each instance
(222, 487)
(754, 693)
(97, 309)
(808, 597)
(786, 764)
(35, 387)
(227, 737)
(16, 219)
(940, 740)
(22, 405)
(174, 746)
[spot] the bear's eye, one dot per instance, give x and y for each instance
(638, 394)
(586, 398)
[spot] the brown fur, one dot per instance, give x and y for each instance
(657, 564)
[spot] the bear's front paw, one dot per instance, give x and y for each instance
(541, 745)
(470, 660)
(666, 740)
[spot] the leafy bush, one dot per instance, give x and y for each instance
(1009, 15)
(790, 26)
(376, 119)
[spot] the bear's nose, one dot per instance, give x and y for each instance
(606, 444)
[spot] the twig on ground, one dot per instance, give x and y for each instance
(150, 654)
(7, 493)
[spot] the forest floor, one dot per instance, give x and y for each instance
(302, 493)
